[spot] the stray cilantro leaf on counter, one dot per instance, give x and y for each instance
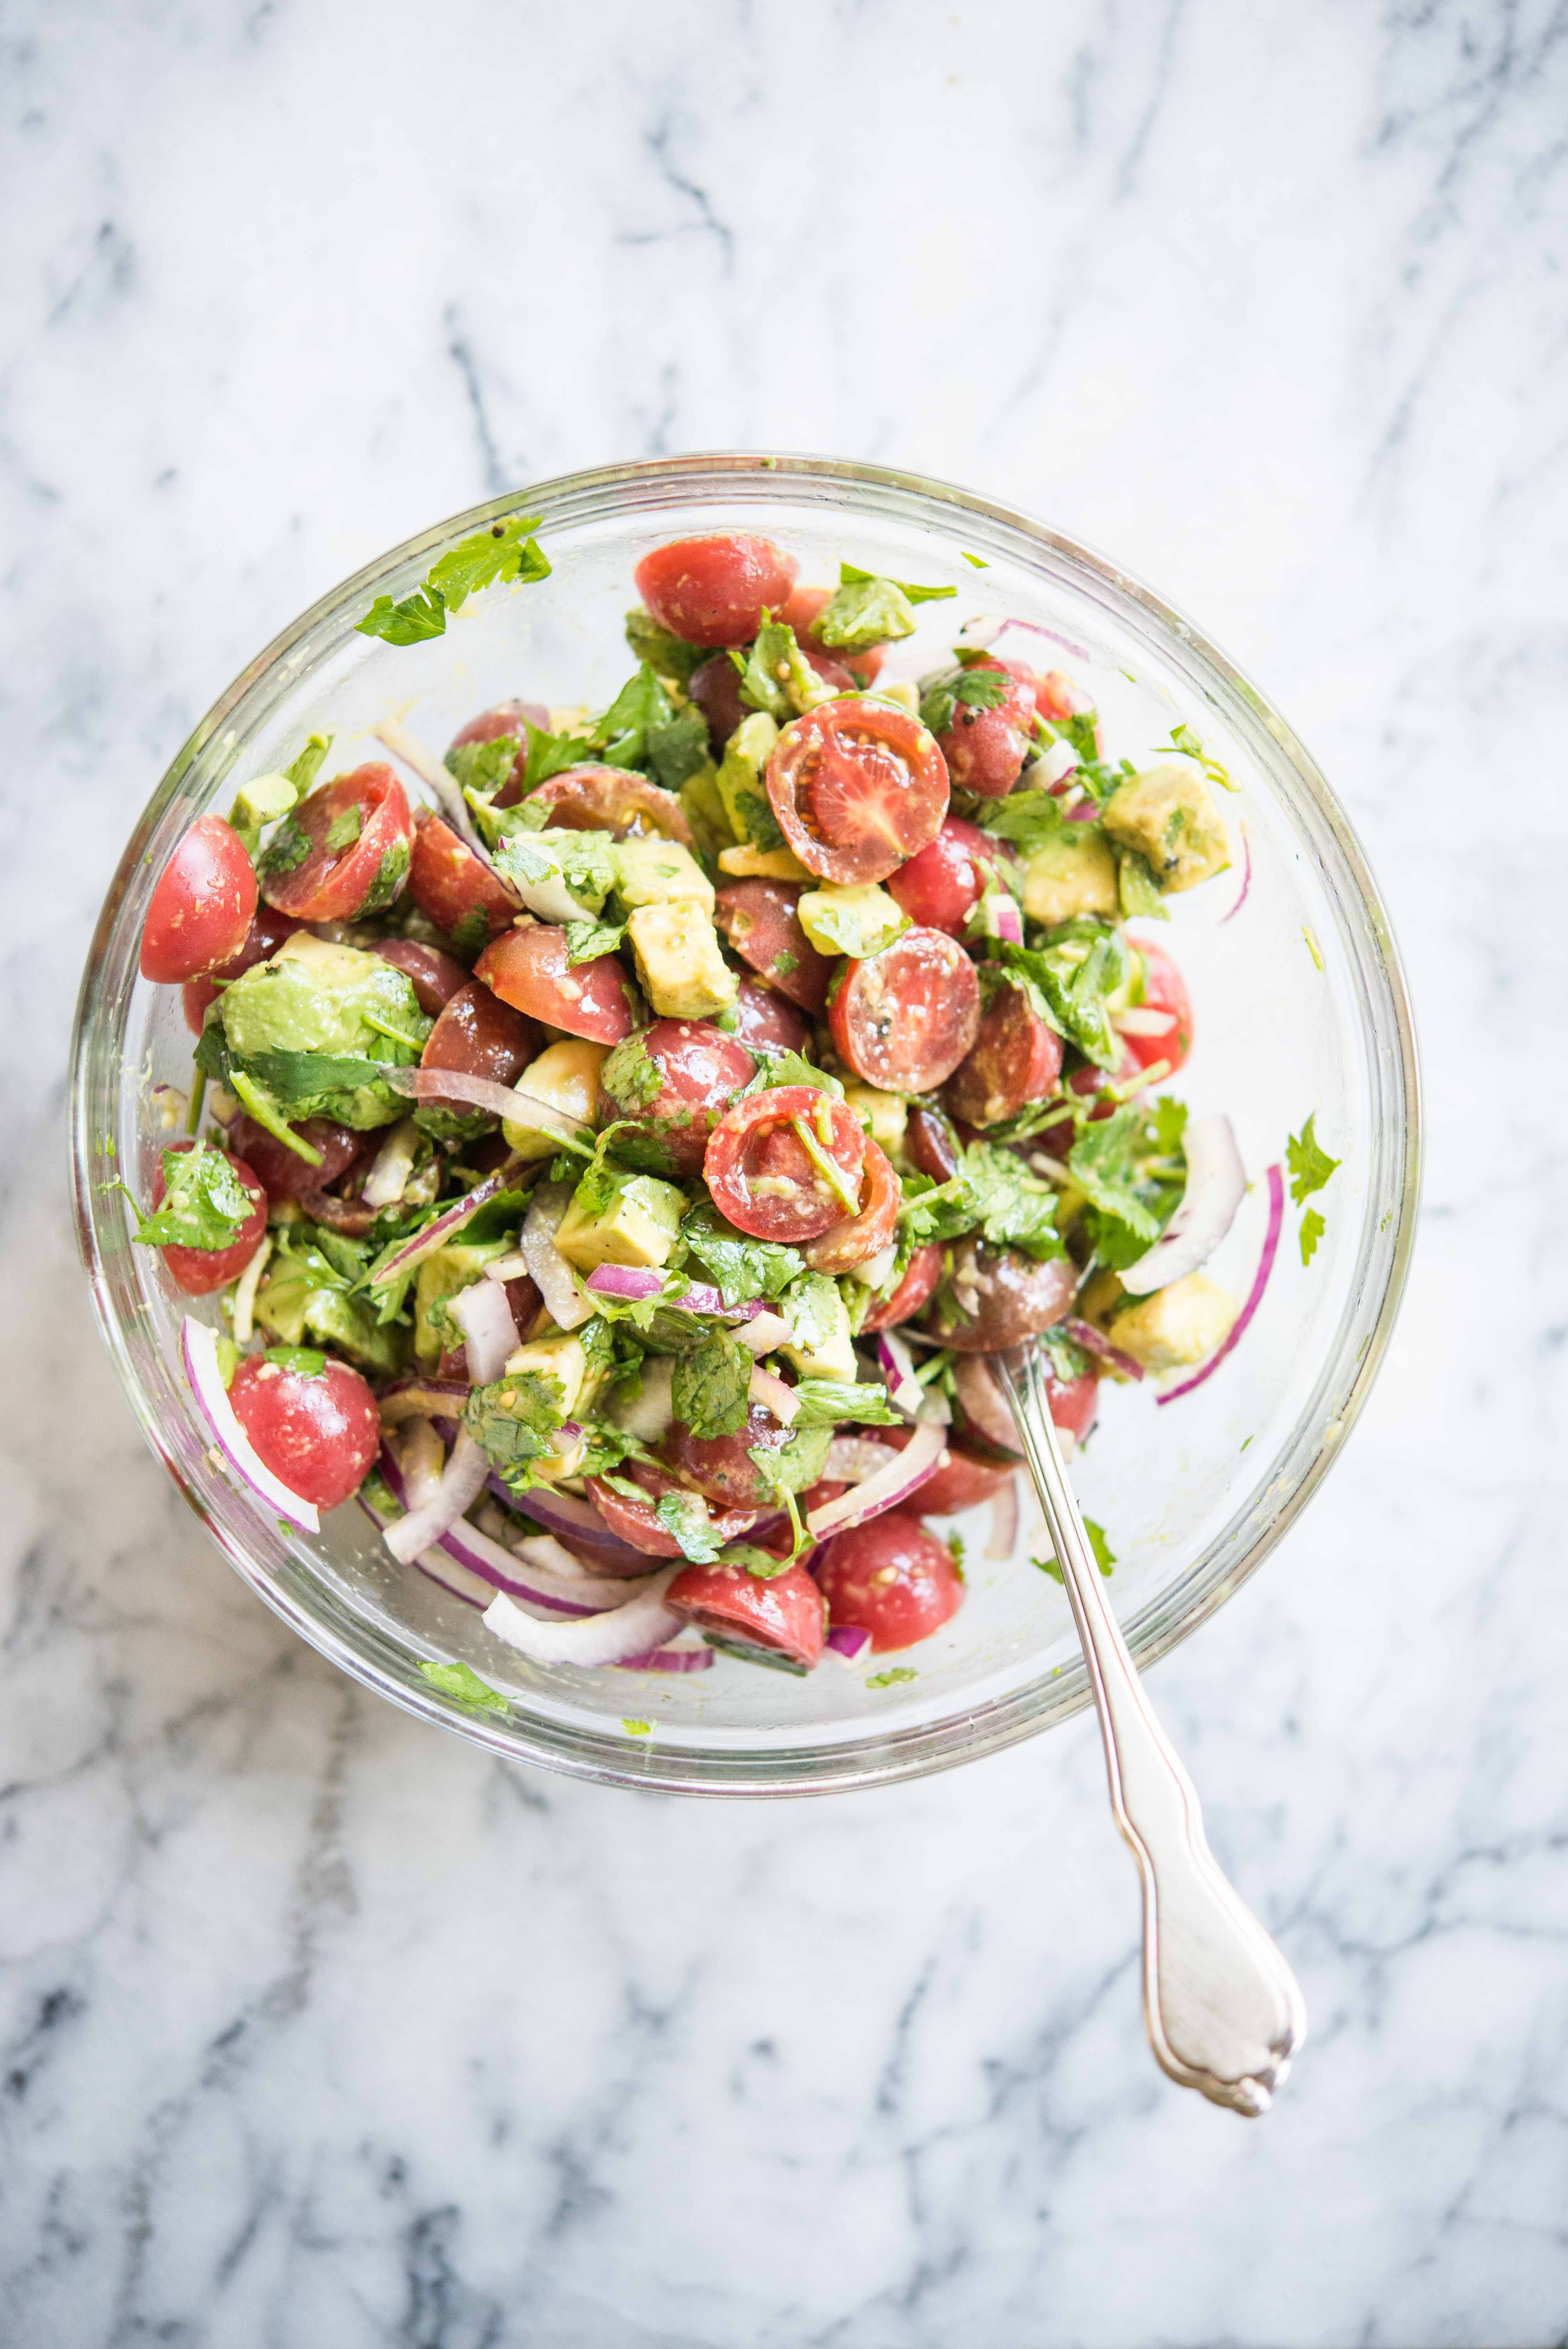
(504, 551)
(459, 1680)
(970, 689)
(1312, 1230)
(709, 1391)
(205, 1206)
(1310, 1164)
(683, 1515)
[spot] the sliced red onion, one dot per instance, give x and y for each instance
(641, 1625)
(462, 1482)
(904, 1391)
(1003, 1520)
(637, 1284)
(171, 1105)
(423, 1399)
(936, 1411)
(1143, 1020)
(1216, 1186)
(472, 1587)
(1254, 1297)
(773, 1395)
(766, 1333)
(388, 1176)
(1095, 1341)
(984, 1401)
(852, 1458)
(490, 1333)
(576, 1520)
(987, 628)
(454, 807)
(670, 1660)
(904, 1471)
(461, 1211)
(199, 1348)
(1054, 765)
(849, 1641)
(548, 1268)
(483, 1093)
(1247, 880)
(538, 1571)
(1085, 813)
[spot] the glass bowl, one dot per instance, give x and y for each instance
(1300, 1008)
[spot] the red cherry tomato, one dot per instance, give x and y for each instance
(803, 611)
(284, 1174)
(890, 1577)
(320, 1432)
(858, 787)
(961, 1478)
(759, 920)
(859, 1238)
(434, 977)
(505, 717)
(999, 1297)
(200, 910)
(941, 887)
(930, 1144)
(447, 882)
(530, 969)
(1059, 698)
(713, 590)
(715, 689)
(266, 935)
(1015, 1058)
(919, 1282)
(637, 1522)
(479, 1036)
(724, 1468)
(1165, 994)
(700, 1070)
(361, 836)
(783, 1614)
(767, 1180)
(903, 1020)
(765, 1022)
(200, 1271)
(985, 749)
(1072, 1402)
(610, 798)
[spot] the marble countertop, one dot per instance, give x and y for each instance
(320, 2027)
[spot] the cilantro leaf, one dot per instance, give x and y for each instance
(678, 749)
(503, 551)
(776, 1070)
(970, 689)
(1104, 1556)
(762, 1563)
(1131, 1168)
(630, 1075)
(993, 1193)
(482, 767)
(514, 1420)
(459, 1680)
(587, 940)
(1310, 1164)
(1312, 1230)
(295, 1078)
(620, 735)
(739, 1267)
(1081, 963)
(849, 575)
(744, 1653)
(683, 1515)
(825, 1403)
(205, 1206)
(864, 611)
(666, 654)
(1029, 818)
(892, 1676)
(1137, 891)
(709, 1390)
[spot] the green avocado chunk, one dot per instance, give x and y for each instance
(331, 1000)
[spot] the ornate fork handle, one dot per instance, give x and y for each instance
(1223, 2010)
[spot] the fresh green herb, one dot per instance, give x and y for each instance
(345, 828)
(287, 851)
(776, 675)
(637, 1728)
(1310, 1164)
(471, 934)
(762, 1564)
(204, 1204)
(956, 1551)
(514, 1420)
(993, 1193)
(480, 769)
(744, 1653)
(827, 1402)
(458, 1680)
(1312, 1230)
(831, 1173)
(866, 609)
(578, 862)
(1137, 891)
(977, 560)
(1104, 1556)
(683, 1515)
(961, 688)
(678, 750)
(850, 575)
(739, 1267)
(1067, 1360)
(667, 656)
(585, 941)
(1184, 742)
(778, 1069)
(306, 1359)
(891, 1677)
(504, 551)
(1029, 818)
(1081, 963)
(709, 1391)
(390, 875)
(1130, 1167)
(620, 737)
(294, 1077)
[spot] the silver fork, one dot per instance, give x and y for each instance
(1223, 2010)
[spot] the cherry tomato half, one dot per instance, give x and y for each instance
(266, 935)
(903, 1020)
(890, 1577)
(725, 1468)
(759, 920)
(478, 1035)
(610, 798)
(1015, 1058)
(858, 787)
(713, 590)
(447, 882)
(941, 887)
(859, 1238)
(284, 1175)
(916, 1287)
(201, 1272)
(200, 913)
(715, 689)
(783, 1614)
(1072, 1402)
(802, 612)
(960, 1478)
(931, 1145)
(765, 1022)
(530, 968)
(700, 1072)
(999, 1297)
(767, 1180)
(434, 977)
(358, 836)
(1165, 994)
(319, 1432)
(985, 749)
(636, 1521)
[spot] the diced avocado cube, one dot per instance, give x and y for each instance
(1074, 873)
(740, 783)
(441, 1275)
(638, 1227)
(565, 1077)
(261, 801)
(650, 872)
(562, 1357)
(884, 1116)
(858, 920)
(1168, 815)
(821, 1345)
(1176, 1326)
(749, 862)
(902, 691)
(683, 974)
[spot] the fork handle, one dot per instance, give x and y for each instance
(1223, 2010)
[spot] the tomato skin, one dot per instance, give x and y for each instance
(1072, 1402)
(702, 1070)
(1164, 990)
(960, 1478)
(802, 612)
(200, 911)
(501, 717)
(530, 969)
(715, 689)
(930, 1144)
(1015, 1058)
(320, 1434)
(903, 1020)
(721, 1466)
(915, 1289)
(784, 1614)
(201, 1272)
(859, 1238)
(713, 589)
(333, 884)
(985, 749)
(478, 1035)
(940, 888)
(759, 921)
(434, 977)
(858, 787)
(446, 880)
(754, 1146)
(1059, 696)
(765, 1022)
(999, 1296)
(611, 798)
(635, 1522)
(284, 1174)
(921, 1594)
(266, 935)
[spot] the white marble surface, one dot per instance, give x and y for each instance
(319, 2028)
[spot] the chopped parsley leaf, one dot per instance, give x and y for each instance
(204, 1204)
(503, 551)
(1310, 1164)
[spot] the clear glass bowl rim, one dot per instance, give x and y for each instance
(881, 1757)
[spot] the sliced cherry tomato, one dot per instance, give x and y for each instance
(715, 689)
(434, 977)
(505, 717)
(759, 920)
(530, 968)
(941, 887)
(266, 935)
(320, 1432)
(200, 1271)
(915, 1289)
(930, 1144)
(859, 1238)
(765, 1022)
(350, 1217)
(610, 799)
(284, 1175)
(858, 787)
(783, 1614)
(357, 837)
(890, 1577)
(725, 1468)
(999, 1297)
(447, 882)
(700, 1070)
(527, 1304)
(767, 1180)
(200, 913)
(903, 1020)
(479, 1036)
(985, 749)
(1059, 696)
(1072, 1402)
(714, 590)
(803, 611)
(961, 1478)
(636, 1521)
(1165, 997)
(1015, 1058)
